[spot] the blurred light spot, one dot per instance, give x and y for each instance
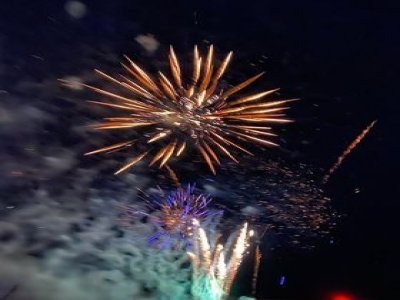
(74, 83)
(16, 173)
(75, 9)
(282, 280)
(37, 57)
(341, 296)
(148, 42)
(250, 211)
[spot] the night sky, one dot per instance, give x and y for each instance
(339, 57)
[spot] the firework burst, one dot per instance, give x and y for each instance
(175, 113)
(174, 214)
(213, 269)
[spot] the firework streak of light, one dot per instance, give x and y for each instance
(212, 275)
(177, 114)
(173, 176)
(347, 151)
(257, 260)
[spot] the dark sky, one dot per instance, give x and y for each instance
(339, 57)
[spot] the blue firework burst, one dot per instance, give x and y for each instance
(173, 215)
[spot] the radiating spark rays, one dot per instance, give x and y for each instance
(159, 154)
(224, 150)
(196, 66)
(168, 153)
(258, 140)
(218, 75)
(208, 69)
(348, 150)
(109, 148)
(211, 152)
(159, 136)
(167, 86)
(175, 67)
(230, 143)
(114, 125)
(251, 97)
(132, 162)
(213, 269)
(142, 76)
(258, 119)
(112, 105)
(258, 132)
(181, 149)
(173, 114)
(241, 86)
(173, 176)
(207, 159)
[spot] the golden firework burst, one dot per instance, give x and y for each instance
(175, 114)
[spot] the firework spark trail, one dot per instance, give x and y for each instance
(212, 274)
(173, 114)
(173, 176)
(289, 203)
(347, 151)
(257, 260)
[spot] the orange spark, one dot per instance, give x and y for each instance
(173, 176)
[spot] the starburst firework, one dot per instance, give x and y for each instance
(199, 113)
